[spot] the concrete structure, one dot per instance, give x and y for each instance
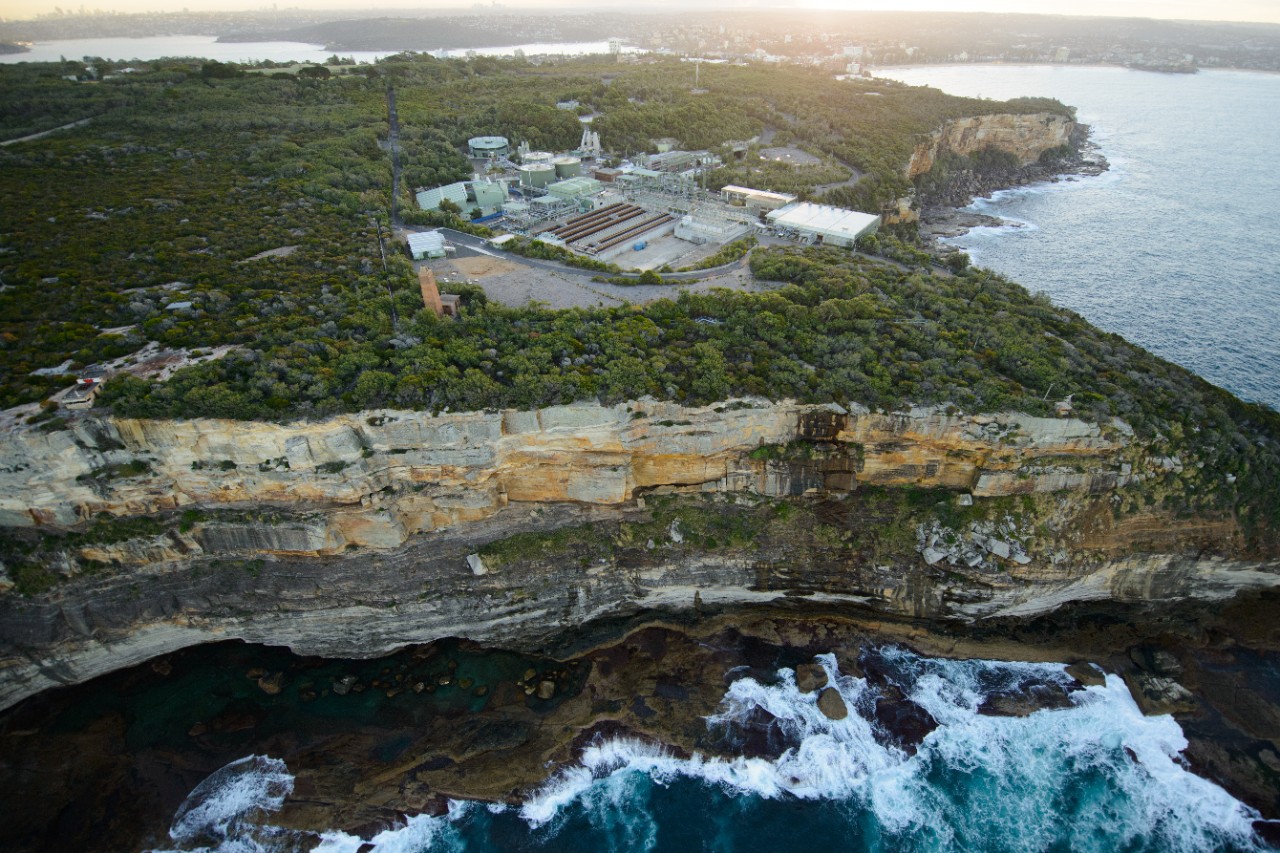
(605, 174)
(426, 244)
(537, 157)
(515, 208)
(680, 161)
(574, 188)
(456, 193)
(709, 229)
(755, 199)
(567, 167)
(443, 304)
(536, 175)
(82, 395)
(488, 146)
(590, 144)
(832, 226)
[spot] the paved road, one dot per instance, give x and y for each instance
(393, 142)
(45, 133)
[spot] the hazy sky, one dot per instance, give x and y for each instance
(1221, 10)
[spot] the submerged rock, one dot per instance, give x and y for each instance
(271, 684)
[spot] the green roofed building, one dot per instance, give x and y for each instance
(456, 193)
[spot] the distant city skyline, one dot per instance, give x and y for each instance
(1261, 11)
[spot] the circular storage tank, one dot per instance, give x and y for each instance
(537, 157)
(537, 175)
(488, 146)
(567, 167)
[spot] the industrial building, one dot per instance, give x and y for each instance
(487, 195)
(702, 227)
(755, 199)
(455, 193)
(490, 147)
(609, 227)
(426, 244)
(821, 223)
(574, 189)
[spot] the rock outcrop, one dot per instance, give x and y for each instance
(376, 479)
(355, 536)
(1024, 136)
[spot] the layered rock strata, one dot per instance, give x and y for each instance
(376, 479)
(1024, 136)
(358, 535)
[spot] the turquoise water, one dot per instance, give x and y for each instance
(1093, 775)
(1177, 247)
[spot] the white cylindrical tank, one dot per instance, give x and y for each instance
(537, 157)
(567, 167)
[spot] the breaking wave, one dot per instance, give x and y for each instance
(1087, 773)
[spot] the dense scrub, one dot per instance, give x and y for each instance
(146, 226)
(140, 227)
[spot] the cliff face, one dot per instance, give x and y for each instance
(376, 479)
(358, 535)
(1024, 136)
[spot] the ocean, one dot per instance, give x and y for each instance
(1177, 247)
(1095, 775)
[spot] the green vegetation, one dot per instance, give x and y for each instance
(189, 174)
(728, 253)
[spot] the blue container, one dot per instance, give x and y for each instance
(640, 246)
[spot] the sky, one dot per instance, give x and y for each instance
(1207, 10)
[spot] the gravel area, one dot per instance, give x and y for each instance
(512, 283)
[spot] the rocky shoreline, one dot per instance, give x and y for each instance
(944, 217)
(453, 720)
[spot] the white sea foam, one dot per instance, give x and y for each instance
(419, 833)
(1097, 775)
(226, 808)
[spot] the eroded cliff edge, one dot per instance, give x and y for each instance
(361, 534)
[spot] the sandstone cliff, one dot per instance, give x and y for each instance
(1024, 136)
(358, 535)
(376, 479)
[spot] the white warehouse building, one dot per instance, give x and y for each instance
(426, 244)
(833, 226)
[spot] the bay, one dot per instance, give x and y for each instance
(1177, 247)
